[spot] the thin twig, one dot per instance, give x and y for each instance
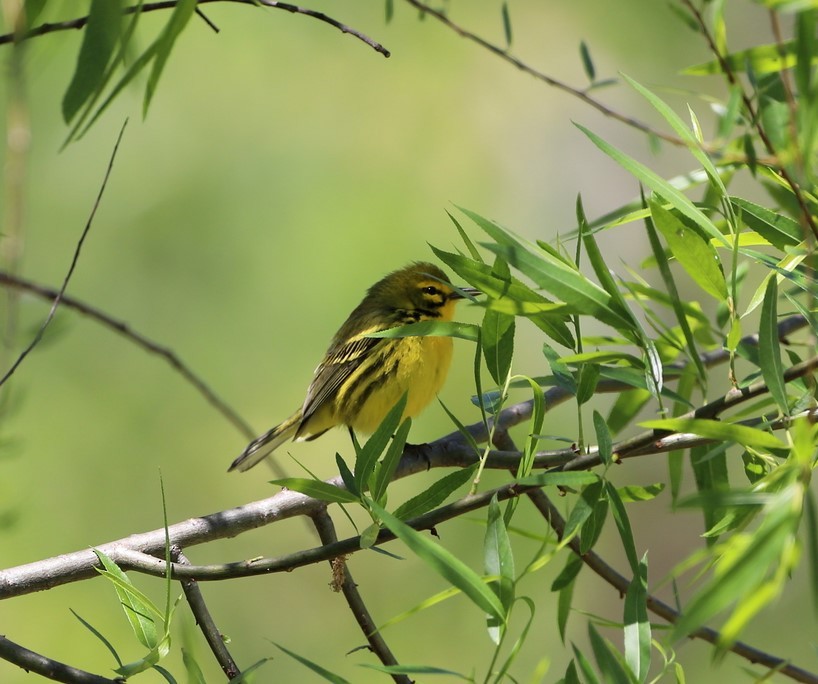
(48, 668)
(73, 265)
(122, 328)
(211, 632)
(806, 214)
(503, 54)
(80, 22)
(343, 580)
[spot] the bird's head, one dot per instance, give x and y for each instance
(421, 291)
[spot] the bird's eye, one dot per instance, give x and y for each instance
(430, 290)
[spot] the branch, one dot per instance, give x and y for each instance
(754, 118)
(659, 607)
(548, 80)
(122, 328)
(46, 667)
(211, 632)
(342, 579)
(80, 22)
(73, 265)
(453, 450)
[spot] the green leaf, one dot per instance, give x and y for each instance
(660, 186)
(509, 295)
(315, 667)
(100, 37)
(762, 59)
(370, 452)
(697, 257)
(603, 437)
(592, 527)
(688, 136)
(451, 568)
(99, 635)
(769, 352)
(138, 608)
(317, 489)
(634, 493)
(498, 559)
(183, 10)
(637, 624)
(568, 574)
(623, 524)
(587, 62)
(385, 470)
(608, 659)
(777, 229)
(670, 285)
(710, 472)
(601, 269)
(586, 385)
(473, 251)
(568, 478)
(498, 344)
(583, 508)
(811, 527)
(506, 24)
(720, 431)
(414, 670)
(564, 601)
(626, 408)
(552, 274)
(464, 331)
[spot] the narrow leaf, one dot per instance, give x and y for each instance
(637, 623)
(769, 352)
(315, 667)
(498, 559)
(660, 186)
(697, 257)
(181, 15)
(434, 495)
(451, 568)
(99, 40)
(375, 445)
(623, 524)
(317, 489)
(718, 430)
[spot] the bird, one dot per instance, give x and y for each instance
(360, 378)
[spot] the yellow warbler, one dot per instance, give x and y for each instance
(361, 378)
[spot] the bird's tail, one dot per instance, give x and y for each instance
(263, 446)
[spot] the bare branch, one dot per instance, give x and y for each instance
(539, 75)
(73, 265)
(48, 668)
(80, 22)
(122, 328)
(211, 632)
(343, 579)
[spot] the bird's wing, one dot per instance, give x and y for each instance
(340, 362)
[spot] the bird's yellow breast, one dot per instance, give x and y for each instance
(417, 365)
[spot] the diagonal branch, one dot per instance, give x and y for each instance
(204, 620)
(450, 451)
(342, 579)
(48, 668)
(34, 342)
(80, 22)
(122, 328)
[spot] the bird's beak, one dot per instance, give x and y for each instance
(465, 293)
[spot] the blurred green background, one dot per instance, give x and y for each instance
(282, 168)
